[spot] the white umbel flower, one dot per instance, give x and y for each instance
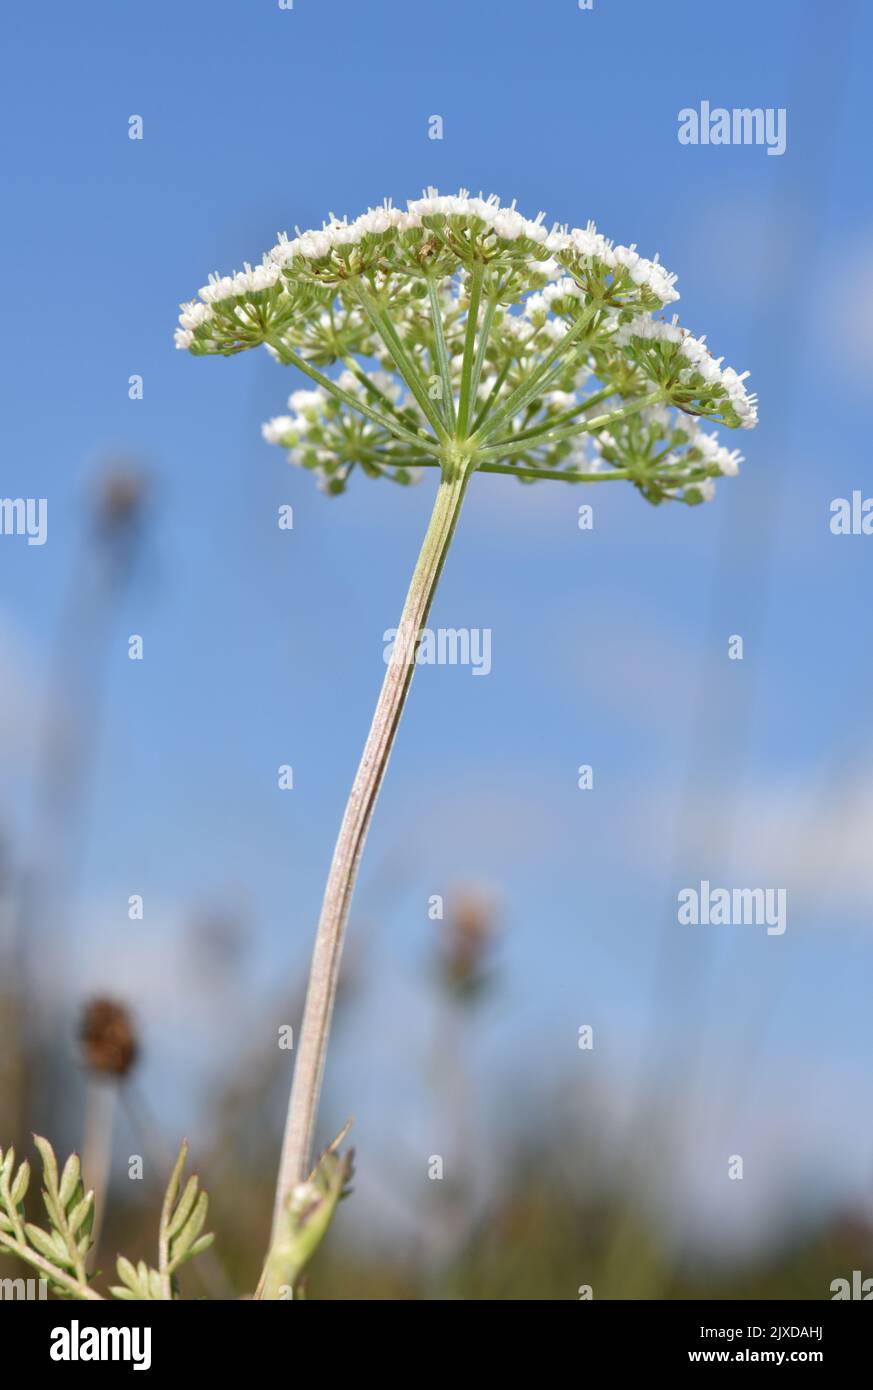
(724, 381)
(566, 312)
(247, 281)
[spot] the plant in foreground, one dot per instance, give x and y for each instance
(469, 339)
(60, 1254)
(307, 1215)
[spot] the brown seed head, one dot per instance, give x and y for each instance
(109, 1044)
(467, 939)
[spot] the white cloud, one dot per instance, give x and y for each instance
(811, 834)
(848, 314)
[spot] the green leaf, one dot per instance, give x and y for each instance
(80, 1214)
(49, 1163)
(196, 1249)
(183, 1210)
(71, 1216)
(187, 1237)
(18, 1189)
(127, 1273)
(57, 1247)
(69, 1181)
(45, 1245)
(175, 1178)
(55, 1215)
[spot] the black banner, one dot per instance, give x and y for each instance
(93, 1339)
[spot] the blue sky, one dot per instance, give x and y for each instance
(609, 647)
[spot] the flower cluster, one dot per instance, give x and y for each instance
(457, 324)
(239, 311)
(695, 380)
(665, 454)
(324, 437)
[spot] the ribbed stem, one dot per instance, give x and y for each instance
(324, 971)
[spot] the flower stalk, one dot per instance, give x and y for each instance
(324, 970)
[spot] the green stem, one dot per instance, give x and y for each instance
(503, 374)
(403, 461)
(517, 471)
(492, 395)
(523, 349)
(324, 970)
(528, 389)
(482, 348)
(293, 359)
(58, 1276)
(442, 355)
(516, 444)
(595, 398)
(476, 277)
(403, 361)
(566, 417)
(369, 386)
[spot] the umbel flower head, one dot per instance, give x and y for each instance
(464, 331)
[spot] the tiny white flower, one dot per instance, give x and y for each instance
(275, 430)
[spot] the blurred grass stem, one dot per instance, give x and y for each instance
(101, 1102)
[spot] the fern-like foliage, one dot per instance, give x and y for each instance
(59, 1254)
(179, 1239)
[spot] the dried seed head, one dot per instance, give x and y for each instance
(108, 1041)
(120, 496)
(467, 938)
